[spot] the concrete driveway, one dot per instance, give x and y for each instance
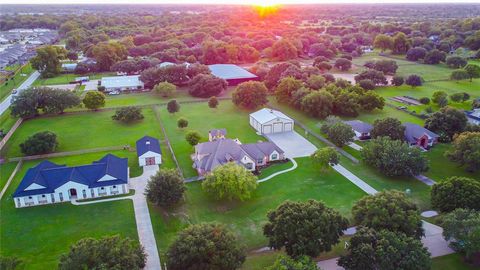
(293, 144)
(91, 85)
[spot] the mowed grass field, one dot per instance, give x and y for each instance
(85, 131)
(247, 218)
(39, 235)
(202, 119)
(67, 78)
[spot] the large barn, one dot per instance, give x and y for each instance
(233, 74)
(267, 121)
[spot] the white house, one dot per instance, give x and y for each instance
(267, 121)
(148, 151)
(122, 83)
(49, 183)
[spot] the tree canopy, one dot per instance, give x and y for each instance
(456, 192)
(165, 188)
(43, 142)
(250, 95)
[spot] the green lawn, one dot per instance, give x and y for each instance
(451, 262)
(39, 235)
(7, 121)
(202, 118)
(86, 130)
(6, 170)
(442, 168)
(246, 218)
(67, 78)
(7, 87)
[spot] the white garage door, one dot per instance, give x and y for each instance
(288, 127)
(267, 129)
(277, 127)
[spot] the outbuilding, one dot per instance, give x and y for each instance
(122, 83)
(148, 151)
(233, 74)
(268, 121)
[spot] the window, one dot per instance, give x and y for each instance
(249, 166)
(18, 201)
(61, 196)
(30, 197)
(114, 186)
(274, 156)
(53, 197)
(92, 192)
(102, 188)
(84, 193)
(259, 161)
(43, 196)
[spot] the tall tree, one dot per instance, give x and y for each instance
(43, 142)
(466, 150)
(473, 71)
(205, 246)
(93, 100)
(250, 95)
(370, 249)
(389, 210)
(287, 263)
(326, 156)
(230, 181)
(317, 228)
(388, 127)
(110, 252)
(318, 104)
(446, 122)
(206, 86)
(165, 188)
(383, 42)
(340, 134)
(47, 60)
(286, 88)
(400, 43)
(456, 192)
(284, 50)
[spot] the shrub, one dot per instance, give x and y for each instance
(424, 100)
(173, 106)
(193, 137)
(39, 143)
(93, 100)
(128, 114)
(367, 84)
(165, 89)
(182, 122)
(213, 102)
(397, 80)
(414, 80)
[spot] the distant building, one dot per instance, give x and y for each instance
(49, 183)
(362, 130)
(267, 121)
(419, 136)
(122, 83)
(473, 117)
(233, 74)
(148, 151)
(69, 67)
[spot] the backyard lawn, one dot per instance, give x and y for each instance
(39, 235)
(6, 170)
(450, 262)
(85, 130)
(246, 218)
(202, 119)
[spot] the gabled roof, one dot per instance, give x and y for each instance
(216, 153)
(414, 131)
(230, 72)
(121, 81)
(146, 144)
(266, 115)
(51, 175)
(359, 126)
(261, 149)
(218, 132)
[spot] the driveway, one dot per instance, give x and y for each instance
(91, 85)
(293, 144)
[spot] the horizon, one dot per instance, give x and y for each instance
(230, 2)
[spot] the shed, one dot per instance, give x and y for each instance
(148, 151)
(233, 74)
(122, 83)
(267, 121)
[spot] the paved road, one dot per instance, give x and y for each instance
(26, 84)
(142, 216)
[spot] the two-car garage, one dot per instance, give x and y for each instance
(268, 121)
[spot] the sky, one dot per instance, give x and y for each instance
(243, 2)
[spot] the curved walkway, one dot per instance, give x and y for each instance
(295, 165)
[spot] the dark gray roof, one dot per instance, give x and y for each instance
(359, 126)
(146, 144)
(261, 149)
(218, 132)
(230, 71)
(414, 131)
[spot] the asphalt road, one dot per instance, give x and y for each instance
(26, 84)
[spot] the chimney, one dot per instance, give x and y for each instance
(147, 142)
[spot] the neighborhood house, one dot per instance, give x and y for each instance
(362, 130)
(216, 134)
(122, 83)
(267, 121)
(148, 151)
(49, 183)
(417, 135)
(219, 151)
(473, 117)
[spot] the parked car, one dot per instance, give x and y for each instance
(114, 93)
